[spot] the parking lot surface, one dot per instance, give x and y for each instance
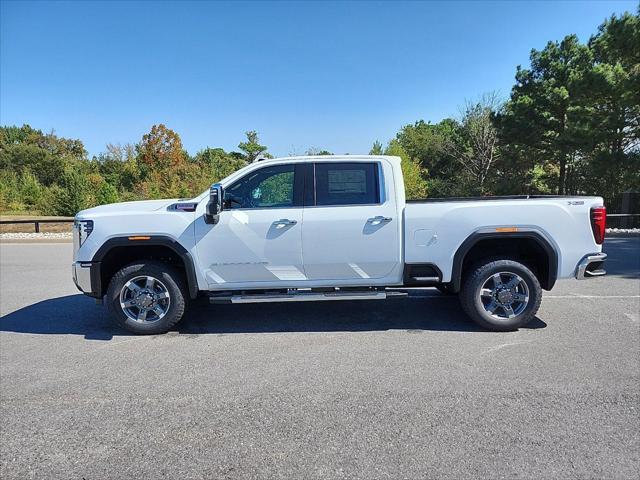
(407, 388)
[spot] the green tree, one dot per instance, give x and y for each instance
(217, 164)
(376, 148)
(415, 183)
(118, 165)
(544, 113)
(252, 148)
(13, 135)
(611, 104)
(10, 191)
(49, 202)
(429, 145)
(106, 194)
(30, 189)
(27, 150)
(72, 196)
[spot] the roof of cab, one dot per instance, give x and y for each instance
(312, 158)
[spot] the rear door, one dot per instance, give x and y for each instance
(350, 232)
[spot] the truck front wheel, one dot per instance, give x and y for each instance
(146, 297)
(501, 295)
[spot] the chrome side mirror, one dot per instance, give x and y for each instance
(214, 206)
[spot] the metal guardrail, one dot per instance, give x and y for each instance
(623, 220)
(37, 221)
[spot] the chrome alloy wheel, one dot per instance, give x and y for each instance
(504, 295)
(144, 299)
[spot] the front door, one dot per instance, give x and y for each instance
(257, 242)
(351, 232)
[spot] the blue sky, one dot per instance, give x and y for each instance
(324, 75)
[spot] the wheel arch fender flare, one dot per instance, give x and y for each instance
(527, 233)
(150, 240)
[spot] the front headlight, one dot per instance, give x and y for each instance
(83, 229)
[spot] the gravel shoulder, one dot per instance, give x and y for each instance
(43, 237)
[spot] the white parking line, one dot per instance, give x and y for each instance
(119, 342)
(450, 297)
(503, 345)
(590, 296)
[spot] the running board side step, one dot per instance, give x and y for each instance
(305, 297)
(426, 279)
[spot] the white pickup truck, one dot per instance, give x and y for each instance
(332, 228)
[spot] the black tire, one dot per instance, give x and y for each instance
(477, 306)
(169, 280)
(445, 289)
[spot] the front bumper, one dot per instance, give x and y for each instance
(86, 276)
(591, 266)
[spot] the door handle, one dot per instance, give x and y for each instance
(284, 222)
(378, 220)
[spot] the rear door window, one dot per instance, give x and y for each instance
(348, 183)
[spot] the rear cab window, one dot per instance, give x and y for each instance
(347, 183)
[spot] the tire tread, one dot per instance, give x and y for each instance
(161, 271)
(478, 273)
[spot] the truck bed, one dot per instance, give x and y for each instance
(435, 228)
(489, 198)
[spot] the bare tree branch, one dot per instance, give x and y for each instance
(479, 151)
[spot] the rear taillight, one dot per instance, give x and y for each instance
(598, 223)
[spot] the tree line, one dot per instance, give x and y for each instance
(571, 125)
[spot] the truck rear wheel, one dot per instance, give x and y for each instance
(501, 295)
(146, 297)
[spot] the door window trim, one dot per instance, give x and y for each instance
(305, 189)
(310, 177)
(298, 187)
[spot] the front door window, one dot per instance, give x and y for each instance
(269, 187)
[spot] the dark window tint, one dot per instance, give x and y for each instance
(269, 187)
(347, 183)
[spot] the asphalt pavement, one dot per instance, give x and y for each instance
(406, 388)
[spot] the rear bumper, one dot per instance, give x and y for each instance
(591, 266)
(86, 276)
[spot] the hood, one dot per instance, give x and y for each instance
(126, 207)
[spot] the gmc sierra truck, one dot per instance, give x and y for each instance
(332, 228)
